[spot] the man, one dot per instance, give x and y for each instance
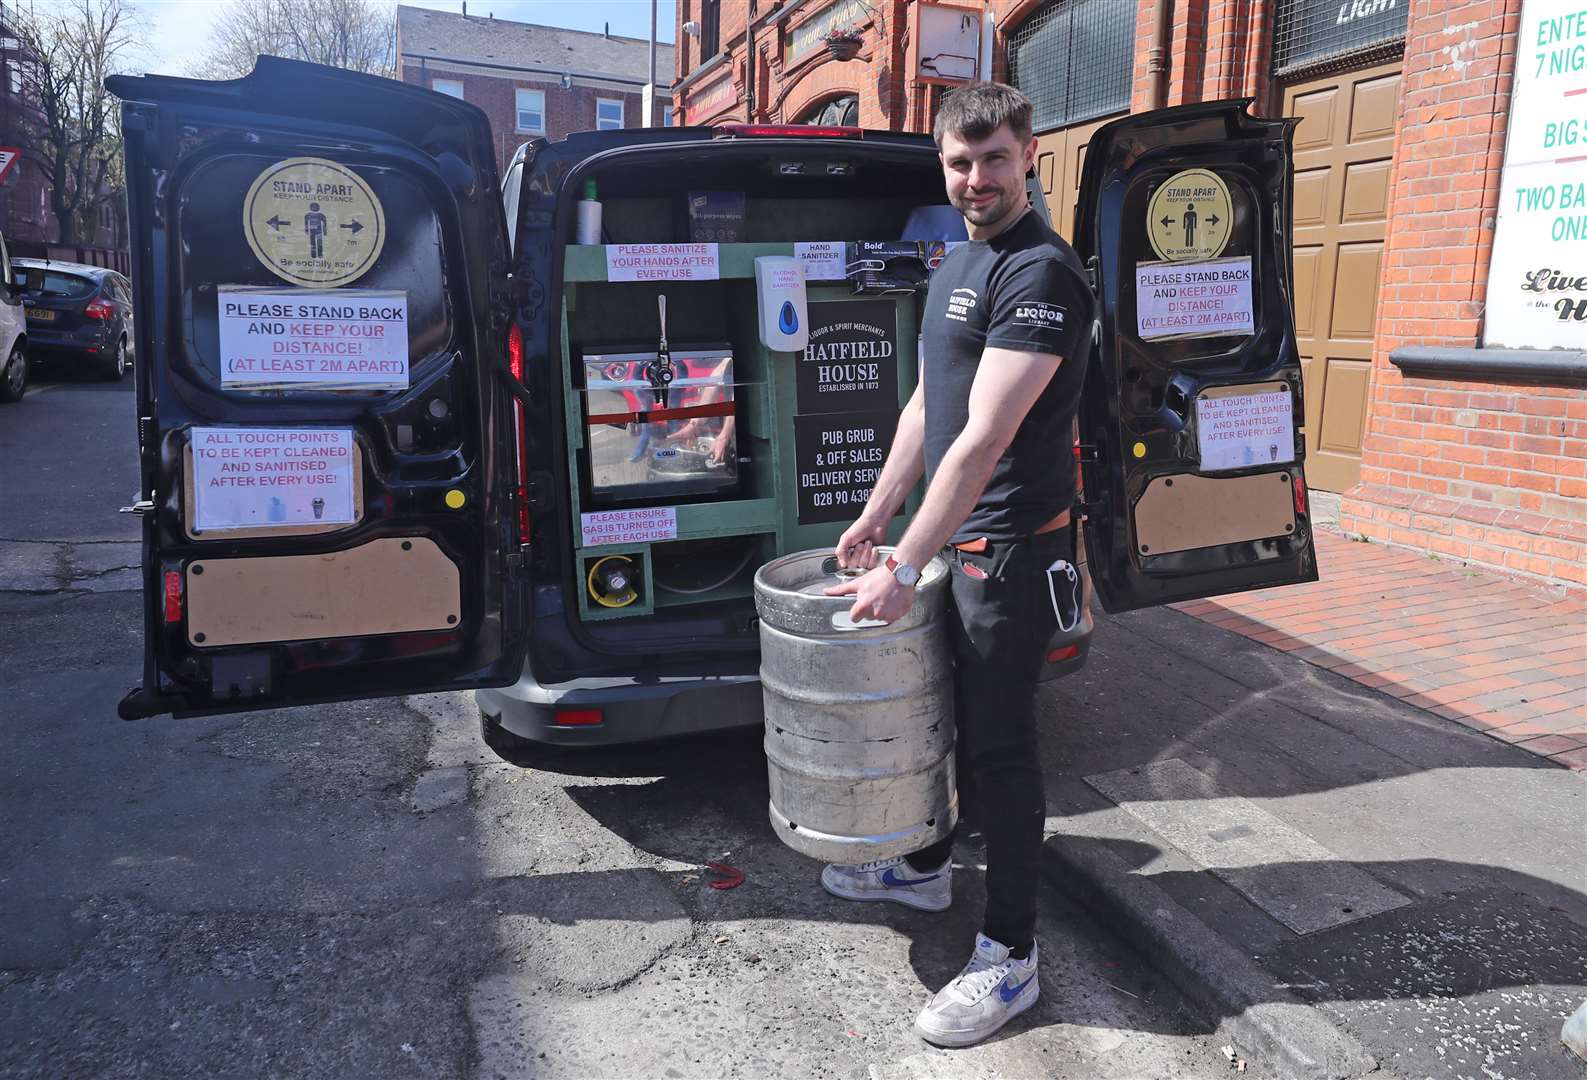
(315, 224)
(1007, 317)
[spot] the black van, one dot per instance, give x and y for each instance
(395, 440)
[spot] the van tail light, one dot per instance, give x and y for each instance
(99, 308)
(515, 365)
(1068, 652)
(173, 596)
(733, 131)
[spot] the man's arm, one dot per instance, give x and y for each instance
(1007, 384)
(905, 463)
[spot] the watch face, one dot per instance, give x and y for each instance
(906, 575)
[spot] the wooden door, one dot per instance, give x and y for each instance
(1059, 155)
(1344, 157)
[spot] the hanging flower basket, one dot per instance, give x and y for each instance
(843, 44)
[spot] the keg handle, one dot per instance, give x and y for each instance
(840, 619)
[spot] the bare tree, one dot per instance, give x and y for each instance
(353, 34)
(75, 134)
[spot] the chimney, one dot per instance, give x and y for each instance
(465, 9)
(608, 31)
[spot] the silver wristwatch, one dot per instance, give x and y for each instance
(906, 575)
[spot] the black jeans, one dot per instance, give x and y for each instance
(1002, 619)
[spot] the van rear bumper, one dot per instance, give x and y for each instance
(631, 709)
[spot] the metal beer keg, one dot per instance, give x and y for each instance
(859, 717)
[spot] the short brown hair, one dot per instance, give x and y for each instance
(975, 110)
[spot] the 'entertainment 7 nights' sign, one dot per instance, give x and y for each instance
(1537, 280)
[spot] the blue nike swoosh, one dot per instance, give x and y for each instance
(1009, 993)
(891, 879)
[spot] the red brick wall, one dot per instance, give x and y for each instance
(1487, 472)
(567, 111)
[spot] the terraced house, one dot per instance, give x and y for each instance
(533, 81)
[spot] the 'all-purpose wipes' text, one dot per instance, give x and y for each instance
(281, 339)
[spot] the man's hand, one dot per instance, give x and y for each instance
(857, 546)
(877, 595)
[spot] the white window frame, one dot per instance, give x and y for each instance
(447, 86)
(520, 94)
(602, 124)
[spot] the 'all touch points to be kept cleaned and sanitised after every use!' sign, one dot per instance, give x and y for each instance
(1236, 431)
(259, 478)
(282, 339)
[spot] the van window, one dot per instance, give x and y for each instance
(510, 190)
(210, 204)
(818, 192)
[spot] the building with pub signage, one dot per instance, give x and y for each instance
(1440, 207)
(533, 81)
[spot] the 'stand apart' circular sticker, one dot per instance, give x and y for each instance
(314, 222)
(1190, 216)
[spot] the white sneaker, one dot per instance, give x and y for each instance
(992, 989)
(892, 879)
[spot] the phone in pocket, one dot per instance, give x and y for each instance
(1063, 587)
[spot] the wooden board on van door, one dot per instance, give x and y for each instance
(393, 585)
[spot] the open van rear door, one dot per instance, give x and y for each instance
(325, 429)
(1191, 422)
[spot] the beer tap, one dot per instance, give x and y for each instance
(660, 371)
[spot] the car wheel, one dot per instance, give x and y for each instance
(116, 367)
(14, 376)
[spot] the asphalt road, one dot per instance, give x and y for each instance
(366, 890)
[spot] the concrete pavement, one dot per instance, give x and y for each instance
(365, 890)
(1332, 880)
(1291, 846)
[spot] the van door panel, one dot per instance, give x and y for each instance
(410, 590)
(1196, 331)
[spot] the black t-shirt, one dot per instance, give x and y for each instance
(1023, 289)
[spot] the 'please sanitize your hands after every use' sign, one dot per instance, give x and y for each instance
(662, 262)
(283, 339)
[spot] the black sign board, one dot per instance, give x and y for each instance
(838, 457)
(1309, 31)
(851, 363)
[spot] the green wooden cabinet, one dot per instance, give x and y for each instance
(765, 512)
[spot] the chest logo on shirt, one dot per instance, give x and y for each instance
(960, 303)
(1040, 315)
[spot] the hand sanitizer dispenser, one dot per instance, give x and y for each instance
(780, 290)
